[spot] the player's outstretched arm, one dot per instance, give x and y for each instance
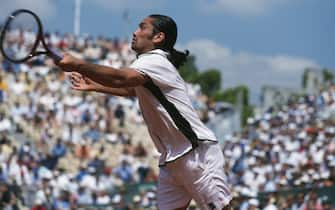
(106, 76)
(82, 83)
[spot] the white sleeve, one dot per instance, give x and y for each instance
(157, 68)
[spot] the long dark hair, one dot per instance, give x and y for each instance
(168, 26)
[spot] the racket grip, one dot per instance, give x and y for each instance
(55, 56)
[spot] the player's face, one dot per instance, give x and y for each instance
(143, 37)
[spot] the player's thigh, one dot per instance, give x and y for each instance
(170, 195)
(206, 180)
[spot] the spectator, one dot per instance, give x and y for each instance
(124, 172)
(59, 150)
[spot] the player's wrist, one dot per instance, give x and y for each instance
(81, 66)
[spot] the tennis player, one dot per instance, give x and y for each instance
(191, 161)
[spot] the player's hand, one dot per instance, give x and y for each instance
(80, 82)
(69, 63)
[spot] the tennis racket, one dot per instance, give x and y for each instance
(21, 38)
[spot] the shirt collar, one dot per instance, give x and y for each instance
(155, 51)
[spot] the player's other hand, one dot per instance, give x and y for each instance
(69, 63)
(80, 82)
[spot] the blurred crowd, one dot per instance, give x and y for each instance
(82, 148)
(292, 146)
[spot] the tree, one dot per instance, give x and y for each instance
(210, 81)
(328, 76)
(189, 71)
(238, 96)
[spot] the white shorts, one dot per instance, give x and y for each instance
(198, 175)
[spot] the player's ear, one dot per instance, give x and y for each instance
(158, 38)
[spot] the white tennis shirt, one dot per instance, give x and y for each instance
(168, 139)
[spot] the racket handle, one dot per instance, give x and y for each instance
(55, 56)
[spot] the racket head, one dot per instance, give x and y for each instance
(20, 36)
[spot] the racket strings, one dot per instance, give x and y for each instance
(20, 37)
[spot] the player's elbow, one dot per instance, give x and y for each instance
(128, 80)
(122, 83)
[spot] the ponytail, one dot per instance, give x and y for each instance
(178, 58)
